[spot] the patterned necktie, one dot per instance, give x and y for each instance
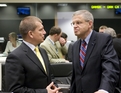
(82, 53)
(40, 57)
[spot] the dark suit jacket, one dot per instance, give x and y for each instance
(69, 55)
(24, 72)
(101, 66)
(117, 46)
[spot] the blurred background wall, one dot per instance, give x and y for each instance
(58, 13)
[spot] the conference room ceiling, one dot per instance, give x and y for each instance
(60, 1)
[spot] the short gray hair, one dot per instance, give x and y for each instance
(86, 15)
(110, 31)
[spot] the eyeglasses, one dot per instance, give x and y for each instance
(78, 23)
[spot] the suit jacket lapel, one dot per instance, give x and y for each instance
(45, 60)
(90, 47)
(32, 56)
(53, 48)
(76, 51)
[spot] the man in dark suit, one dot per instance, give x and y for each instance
(69, 55)
(24, 72)
(99, 72)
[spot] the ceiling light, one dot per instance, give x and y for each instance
(3, 5)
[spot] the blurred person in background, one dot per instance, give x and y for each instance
(54, 44)
(116, 40)
(62, 42)
(110, 31)
(117, 45)
(102, 28)
(12, 44)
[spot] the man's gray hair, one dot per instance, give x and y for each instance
(86, 15)
(110, 31)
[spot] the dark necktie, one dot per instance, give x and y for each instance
(82, 53)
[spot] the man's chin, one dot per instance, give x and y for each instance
(76, 34)
(41, 41)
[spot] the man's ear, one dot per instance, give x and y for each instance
(55, 35)
(30, 33)
(91, 24)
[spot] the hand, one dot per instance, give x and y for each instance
(51, 88)
(62, 41)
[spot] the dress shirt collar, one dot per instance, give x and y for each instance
(87, 38)
(51, 40)
(31, 46)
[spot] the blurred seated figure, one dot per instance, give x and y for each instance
(69, 55)
(117, 45)
(119, 35)
(110, 31)
(62, 42)
(116, 40)
(102, 28)
(54, 44)
(12, 44)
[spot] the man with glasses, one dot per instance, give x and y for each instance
(95, 63)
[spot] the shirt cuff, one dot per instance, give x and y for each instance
(103, 91)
